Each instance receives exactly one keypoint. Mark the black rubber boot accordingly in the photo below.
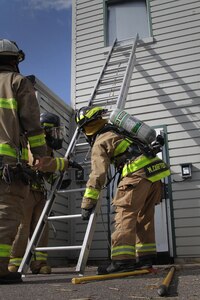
(144, 263)
(11, 278)
(117, 266)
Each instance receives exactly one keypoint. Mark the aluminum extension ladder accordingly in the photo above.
(110, 91)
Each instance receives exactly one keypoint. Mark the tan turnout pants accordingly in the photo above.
(12, 198)
(34, 205)
(134, 203)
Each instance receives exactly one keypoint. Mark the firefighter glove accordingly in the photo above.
(87, 206)
(74, 164)
(85, 213)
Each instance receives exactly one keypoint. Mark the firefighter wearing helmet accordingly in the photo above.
(137, 194)
(54, 134)
(19, 123)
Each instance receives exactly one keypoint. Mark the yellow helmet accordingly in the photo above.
(89, 119)
(87, 114)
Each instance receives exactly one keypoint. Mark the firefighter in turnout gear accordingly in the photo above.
(138, 191)
(35, 203)
(20, 125)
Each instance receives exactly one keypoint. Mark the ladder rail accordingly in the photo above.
(83, 257)
(101, 73)
(127, 77)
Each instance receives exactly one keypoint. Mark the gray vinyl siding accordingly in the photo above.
(52, 103)
(164, 91)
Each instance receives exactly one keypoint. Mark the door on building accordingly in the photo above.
(163, 226)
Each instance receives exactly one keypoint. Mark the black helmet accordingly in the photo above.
(87, 114)
(10, 48)
(53, 130)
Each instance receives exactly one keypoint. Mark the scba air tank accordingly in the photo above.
(133, 126)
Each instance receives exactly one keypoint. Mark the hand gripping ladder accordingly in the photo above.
(109, 91)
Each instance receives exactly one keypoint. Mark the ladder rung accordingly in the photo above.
(58, 248)
(108, 90)
(122, 68)
(70, 191)
(82, 144)
(109, 81)
(105, 102)
(111, 78)
(118, 62)
(64, 217)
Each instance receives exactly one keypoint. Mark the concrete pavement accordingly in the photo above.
(58, 286)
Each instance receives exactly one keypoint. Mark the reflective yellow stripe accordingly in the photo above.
(8, 103)
(146, 248)
(37, 140)
(40, 255)
(141, 162)
(15, 261)
(159, 176)
(47, 124)
(6, 149)
(137, 164)
(5, 250)
(91, 193)
(24, 154)
(123, 250)
(121, 148)
(60, 163)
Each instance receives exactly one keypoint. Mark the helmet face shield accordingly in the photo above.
(54, 131)
(55, 137)
(87, 114)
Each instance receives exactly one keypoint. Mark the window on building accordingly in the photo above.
(125, 19)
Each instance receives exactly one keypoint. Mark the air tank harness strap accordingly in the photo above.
(22, 172)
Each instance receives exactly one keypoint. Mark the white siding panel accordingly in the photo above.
(188, 241)
(186, 143)
(184, 135)
(91, 20)
(167, 101)
(86, 44)
(89, 30)
(185, 159)
(177, 15)
(189, 222)
(88, 8)
(188, 251)
(172, 35)
(86, 3)
(187, 213)
(182, 127)
(188, 203)
(92, 46)
(173, 7)
(87, 36)
(178, 21)
(187, 151)
(181, 43)
(80, 27)
(177, 28)
(192, 231)
(159, 2)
